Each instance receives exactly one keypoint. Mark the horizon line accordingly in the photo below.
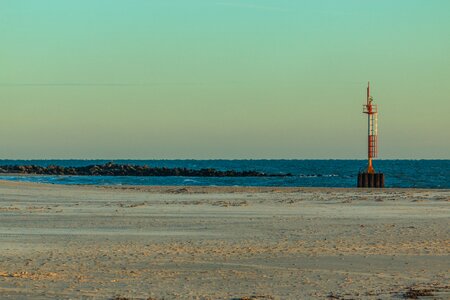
(210, 159)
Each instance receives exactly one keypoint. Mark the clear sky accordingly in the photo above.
(223, 79)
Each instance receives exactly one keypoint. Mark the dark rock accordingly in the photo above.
(111, 169)
(415, 293)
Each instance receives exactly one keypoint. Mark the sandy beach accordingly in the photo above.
(82, 242)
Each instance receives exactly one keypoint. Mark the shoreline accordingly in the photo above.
(213, 189)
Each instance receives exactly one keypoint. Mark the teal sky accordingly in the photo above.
(223, 79)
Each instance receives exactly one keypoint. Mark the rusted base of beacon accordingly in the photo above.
(371, 180)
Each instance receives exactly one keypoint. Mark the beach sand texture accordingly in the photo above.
(79, 242)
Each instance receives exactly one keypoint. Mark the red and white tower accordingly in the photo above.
(372, 116)
(369, 178)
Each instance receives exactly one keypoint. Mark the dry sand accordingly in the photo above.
(78, 242)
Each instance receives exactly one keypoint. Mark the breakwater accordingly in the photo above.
(112, 169)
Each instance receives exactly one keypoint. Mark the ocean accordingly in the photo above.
(307, 173)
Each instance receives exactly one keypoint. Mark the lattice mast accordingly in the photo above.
(372, 112)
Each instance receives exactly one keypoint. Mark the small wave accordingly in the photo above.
(61, 178)
(191, 181)
(317, 175)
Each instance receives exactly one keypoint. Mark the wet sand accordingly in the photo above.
(78, 242)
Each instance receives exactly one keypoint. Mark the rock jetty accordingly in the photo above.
(112, 169)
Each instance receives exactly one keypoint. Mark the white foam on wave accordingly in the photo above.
(191, 180)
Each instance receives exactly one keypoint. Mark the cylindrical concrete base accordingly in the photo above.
(371, 180)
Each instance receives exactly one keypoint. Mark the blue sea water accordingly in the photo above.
(307, 173)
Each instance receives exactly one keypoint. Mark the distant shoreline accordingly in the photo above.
(112, 169)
